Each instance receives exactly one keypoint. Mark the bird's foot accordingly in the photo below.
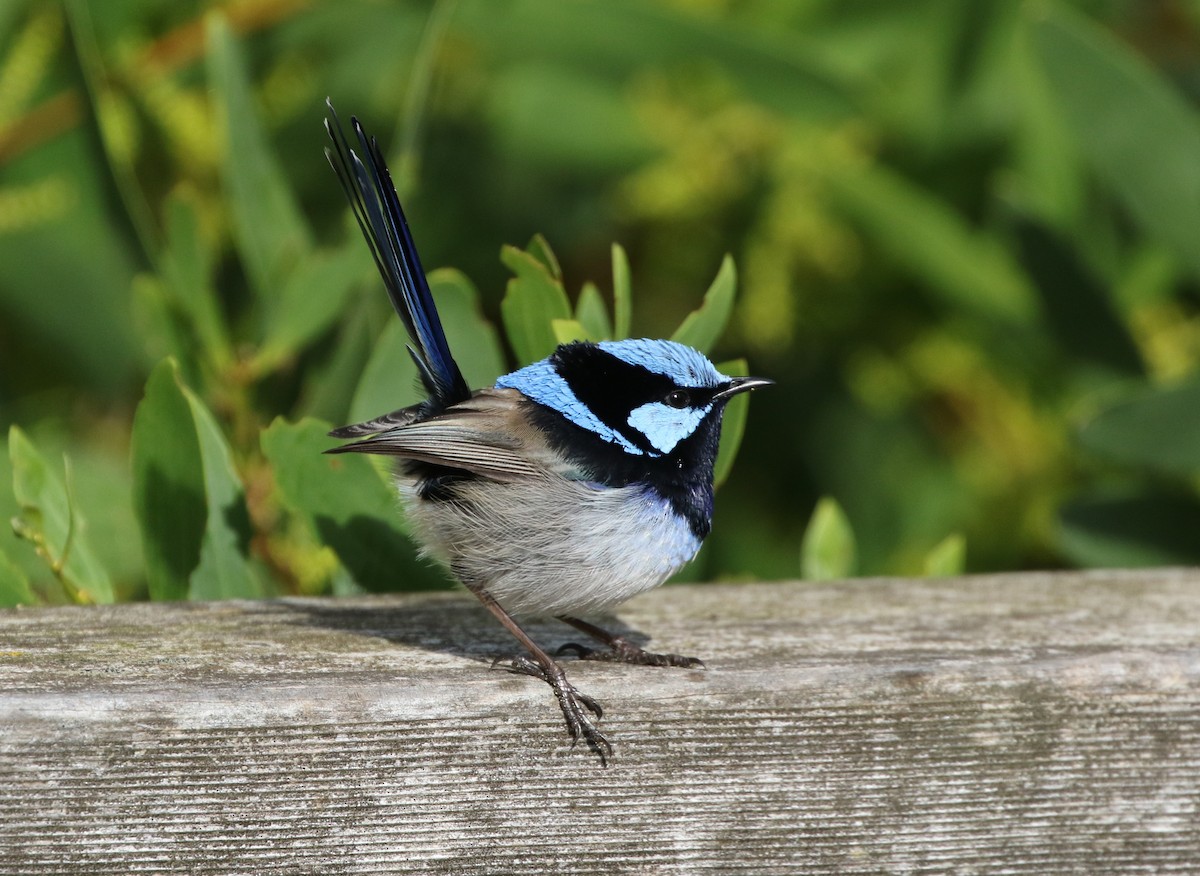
(575, 705)
(621, 651)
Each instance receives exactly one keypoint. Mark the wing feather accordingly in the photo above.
(379, 424)
(484, 435)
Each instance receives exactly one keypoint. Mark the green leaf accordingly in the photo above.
(967, 269)
(733, 425)
(531, 302)
(349, 506)
(568, 330)
(1077, 305)
(389, 381)
(540, 249)
(224, 571)
(112, 113)
(50, 520)
(703, 327)
(1048, 172)
(269, 229)
(187, 267)
(592, 314)
(99, 479)
(168, 484)
(1136, 132)
(1107, 529)
(948, 557)
(1157, 428)
(827, 550)
(473, 340)
(162, 328)
(14, 586)
(188, 497)
(65, 279)
(335, 378)
(622, 293)
(311, 300)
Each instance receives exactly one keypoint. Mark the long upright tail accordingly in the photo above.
(368, 187)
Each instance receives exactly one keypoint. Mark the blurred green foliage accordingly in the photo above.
(965, 238)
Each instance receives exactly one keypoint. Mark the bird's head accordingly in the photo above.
(654, 400)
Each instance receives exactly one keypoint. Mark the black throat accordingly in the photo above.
(684, 477)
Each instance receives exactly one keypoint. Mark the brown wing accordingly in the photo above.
(377, 425)
(485, 435)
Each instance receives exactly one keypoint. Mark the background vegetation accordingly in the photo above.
(967, 239)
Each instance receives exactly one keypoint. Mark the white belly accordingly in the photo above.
(557, 546)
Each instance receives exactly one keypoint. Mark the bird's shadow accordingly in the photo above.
(448, 623)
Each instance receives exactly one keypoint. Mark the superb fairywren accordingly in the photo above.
(570, 485)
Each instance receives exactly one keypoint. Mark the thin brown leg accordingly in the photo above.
(575, 705)
(621, 650)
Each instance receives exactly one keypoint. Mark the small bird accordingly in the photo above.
(569, 486)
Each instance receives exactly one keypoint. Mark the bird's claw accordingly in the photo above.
(575, 705)
(622, 651)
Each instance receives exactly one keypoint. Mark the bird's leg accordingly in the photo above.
(620, 650)
(575, 706)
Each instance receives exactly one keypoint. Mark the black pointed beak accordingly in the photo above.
(741, 384)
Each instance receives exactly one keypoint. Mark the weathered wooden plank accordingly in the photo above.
(1011, 724)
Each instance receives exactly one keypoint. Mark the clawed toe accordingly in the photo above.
(575, 706)
(580, 725)
(684, 662)
(521, 664)
(648, 658)
(621, 651)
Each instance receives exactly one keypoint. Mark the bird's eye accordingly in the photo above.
(677, 398)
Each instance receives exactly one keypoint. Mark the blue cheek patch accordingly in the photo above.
(546, 386)
(665, 426)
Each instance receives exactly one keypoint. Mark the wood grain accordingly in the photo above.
(1035, 723)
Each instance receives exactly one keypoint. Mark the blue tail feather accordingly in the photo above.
(368, 186)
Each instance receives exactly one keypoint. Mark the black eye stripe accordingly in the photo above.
(610, 387)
